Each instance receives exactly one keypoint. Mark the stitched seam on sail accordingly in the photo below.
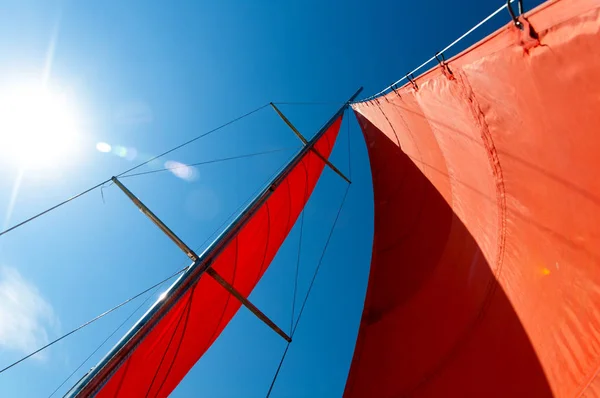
(491, 289)
(185, 324)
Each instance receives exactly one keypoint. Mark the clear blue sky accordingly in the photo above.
(149, 75)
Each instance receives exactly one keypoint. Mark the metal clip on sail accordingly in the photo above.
(411, 78)
(514, 16)
(439, 56)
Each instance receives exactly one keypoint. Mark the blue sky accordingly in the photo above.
(145, 76)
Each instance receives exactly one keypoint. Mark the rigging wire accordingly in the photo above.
(104, 342)
(194, 139)
(131, 169)
(209, 238)
(179, 266)
(297, 270)
(349, 146)
(210, 161)
(102, 315)
(505, 5)
(310, 286)
(299, 250)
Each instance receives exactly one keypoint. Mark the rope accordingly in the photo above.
(94, 319)
(129, 170)
(209, 161)
(441, 52)
(312, 282)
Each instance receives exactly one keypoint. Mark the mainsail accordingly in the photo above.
(484, 278)
(155, 356)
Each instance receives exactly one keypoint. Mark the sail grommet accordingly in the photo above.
(411, 78)
(514, 16)
(393, 87)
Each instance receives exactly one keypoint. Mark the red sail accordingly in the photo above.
(485, 276)
(182, 336)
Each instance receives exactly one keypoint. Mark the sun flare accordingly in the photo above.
(38, 126)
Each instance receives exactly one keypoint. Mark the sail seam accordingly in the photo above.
(390, 123)
(185, 324)
(496, 169)
(169, 345)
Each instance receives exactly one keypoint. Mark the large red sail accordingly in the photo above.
(485, 276)
(159, 362)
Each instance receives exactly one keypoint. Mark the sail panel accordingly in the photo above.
(485, 276)
(156, 365)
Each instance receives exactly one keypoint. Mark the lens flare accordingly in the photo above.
(120, 151)
(181, 170)
(103, 147)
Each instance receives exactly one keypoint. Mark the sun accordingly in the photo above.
(38, 126)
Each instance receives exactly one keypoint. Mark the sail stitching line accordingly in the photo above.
(309, 289)
(185, 311)
(492, 286)
(185, 324)
(289, 204)
(390, 123)
(216, 329)
(262, 265)
(122, 379)
(267, 241)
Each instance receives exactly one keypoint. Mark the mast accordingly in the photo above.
(98, 375)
